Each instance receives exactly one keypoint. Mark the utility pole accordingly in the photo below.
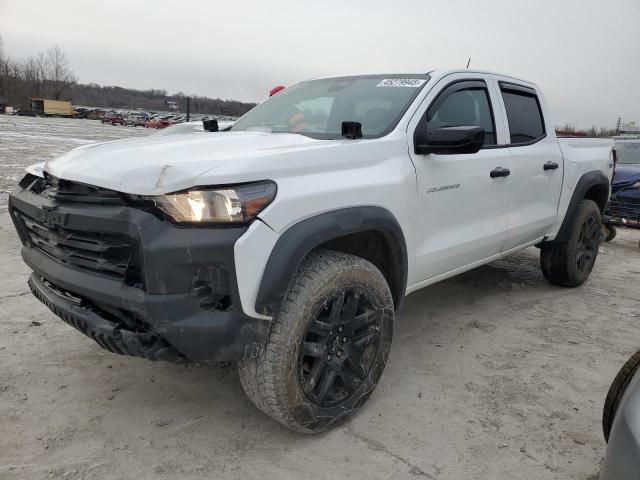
(188, 107)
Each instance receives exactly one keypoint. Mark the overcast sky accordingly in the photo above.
(584, 53)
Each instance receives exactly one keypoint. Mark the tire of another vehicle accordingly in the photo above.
(569, 263)
(616, 392)
(610, 232)
(328, 344)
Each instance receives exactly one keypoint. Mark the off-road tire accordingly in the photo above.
(559, 259)
(273, 380)
(616, 392)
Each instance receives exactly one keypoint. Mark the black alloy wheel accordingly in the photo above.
(588, 243)
(339, 348)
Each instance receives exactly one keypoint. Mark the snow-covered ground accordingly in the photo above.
(28, 140)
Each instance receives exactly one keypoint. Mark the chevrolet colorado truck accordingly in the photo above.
(288, 242)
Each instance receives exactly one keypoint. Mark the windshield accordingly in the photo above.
(317, 108)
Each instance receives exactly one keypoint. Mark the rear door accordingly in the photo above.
(462, 209)
(537, 165)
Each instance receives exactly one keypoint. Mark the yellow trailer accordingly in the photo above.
(57, 108)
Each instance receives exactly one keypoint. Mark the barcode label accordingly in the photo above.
(402, 82)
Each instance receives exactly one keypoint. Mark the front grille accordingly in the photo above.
(66, 191)
(103, 253)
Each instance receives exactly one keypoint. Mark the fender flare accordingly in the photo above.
(301, 238)
(587, 181)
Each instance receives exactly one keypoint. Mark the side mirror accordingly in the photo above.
(449, 140)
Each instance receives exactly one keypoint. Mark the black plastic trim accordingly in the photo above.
(514, 87)
(109, 335)
(300, 239)
(588, 180)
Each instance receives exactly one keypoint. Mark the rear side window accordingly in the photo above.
(523, 113)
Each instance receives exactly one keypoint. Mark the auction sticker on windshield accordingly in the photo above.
(401, 82)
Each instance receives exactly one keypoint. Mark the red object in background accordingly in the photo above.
(566, 133)
(160, 122)
(275, 90)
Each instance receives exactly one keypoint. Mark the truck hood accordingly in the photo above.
(161, 164)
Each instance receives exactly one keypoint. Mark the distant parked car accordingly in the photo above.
(117, 119)
(160, 122)
(136, 120)
(106, 118)
(25, 113)
(621, 424)
(152, 122)
(96, 114)
(81, 112)
(624, 205)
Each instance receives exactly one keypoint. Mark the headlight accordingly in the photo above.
(635, 185)
(226, 205)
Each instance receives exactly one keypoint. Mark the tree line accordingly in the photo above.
(49, 75)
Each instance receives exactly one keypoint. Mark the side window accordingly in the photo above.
(524, 115)
(468, 107)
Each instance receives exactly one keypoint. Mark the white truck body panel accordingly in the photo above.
(581, 155)
(452, 214)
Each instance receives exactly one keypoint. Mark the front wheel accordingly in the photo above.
(570, 263)
(328, 344)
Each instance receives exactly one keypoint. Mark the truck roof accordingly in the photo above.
(439, 73)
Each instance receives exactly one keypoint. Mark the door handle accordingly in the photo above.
(500, 172)
(550, 166)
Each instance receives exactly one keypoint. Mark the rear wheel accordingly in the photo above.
(569, 263)
(328, 344)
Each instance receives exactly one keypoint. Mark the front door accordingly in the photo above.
(462, 216)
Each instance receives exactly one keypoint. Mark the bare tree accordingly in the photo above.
(56, 72)
(4, 72)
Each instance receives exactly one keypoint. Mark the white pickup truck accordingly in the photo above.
(288, 242)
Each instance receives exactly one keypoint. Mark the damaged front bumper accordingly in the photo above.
(134, 283)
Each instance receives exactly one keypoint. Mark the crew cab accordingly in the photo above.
(288, 242)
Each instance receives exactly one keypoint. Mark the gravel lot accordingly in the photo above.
(494, 374)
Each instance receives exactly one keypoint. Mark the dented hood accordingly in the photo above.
(161, 164)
